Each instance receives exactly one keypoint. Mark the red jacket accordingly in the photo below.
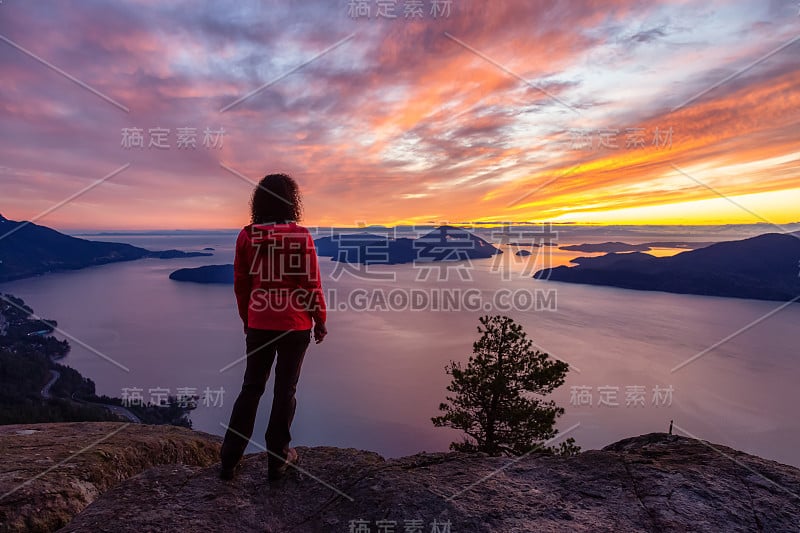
(276, 278)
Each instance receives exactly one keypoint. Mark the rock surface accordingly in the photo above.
(51, 472)
(651, 483)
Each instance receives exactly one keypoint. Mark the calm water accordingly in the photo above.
(379, 376)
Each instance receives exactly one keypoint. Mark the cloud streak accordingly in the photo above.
(399, 123)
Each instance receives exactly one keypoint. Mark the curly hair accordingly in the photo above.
(276, 199)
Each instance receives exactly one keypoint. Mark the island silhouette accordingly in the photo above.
(766, 267)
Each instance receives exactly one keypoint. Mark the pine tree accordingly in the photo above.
(498, 396)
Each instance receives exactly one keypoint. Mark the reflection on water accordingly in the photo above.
(379, 376)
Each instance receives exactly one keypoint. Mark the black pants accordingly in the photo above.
(262, 346)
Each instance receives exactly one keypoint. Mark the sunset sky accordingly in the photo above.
(625, 112)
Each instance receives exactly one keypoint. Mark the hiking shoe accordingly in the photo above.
(278, 471)
(227, 473)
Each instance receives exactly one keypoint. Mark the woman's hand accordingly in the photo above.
(319, 332)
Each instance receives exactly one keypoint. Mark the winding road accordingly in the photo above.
(120, 411)
(116, 409)
(54, 375)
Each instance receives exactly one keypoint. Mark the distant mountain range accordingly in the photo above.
(766, 267)
(28, 249)
(625, 247)
(445, 243)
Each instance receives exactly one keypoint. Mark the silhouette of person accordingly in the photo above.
(279, 297)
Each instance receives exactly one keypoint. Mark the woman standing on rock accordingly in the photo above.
(279, 296)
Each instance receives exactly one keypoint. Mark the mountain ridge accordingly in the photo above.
(445, 243)
(765, 267)
(28, 249)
